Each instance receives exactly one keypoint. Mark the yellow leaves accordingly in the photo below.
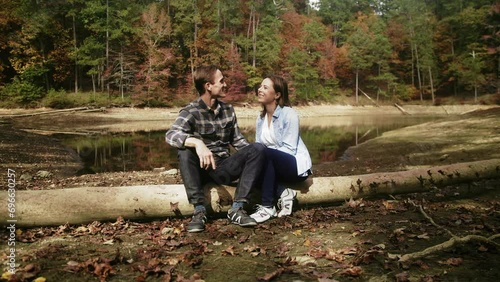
(6, 275)
(307, 242)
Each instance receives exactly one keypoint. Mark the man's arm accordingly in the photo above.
(239, 141)
(180, 136)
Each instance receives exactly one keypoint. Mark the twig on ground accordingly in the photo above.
(455, 240)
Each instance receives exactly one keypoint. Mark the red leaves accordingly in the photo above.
(100, 267)
(321, 244)
(354, 271)
(452, 261)
(270, 276)
(229, 251)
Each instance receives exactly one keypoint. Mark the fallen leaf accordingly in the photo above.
(270, 276)
(422, 264)
(174, 206)
(353, 271)
(316, 253)
(355, 203)
(452, 261)
(423, 236)
(72, 263)
(305, 260)
(402, 277)
(109, 242)
(243, 239)
(81, 229)
(389, 205)
(307, 242)
(229, 251)
(6, 275)
(482, 248)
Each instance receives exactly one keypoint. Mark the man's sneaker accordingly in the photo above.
(263, 213)
(285, 202)
(240, 217)
(197, 223)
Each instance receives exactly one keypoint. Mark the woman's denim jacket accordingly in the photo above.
(286, 129)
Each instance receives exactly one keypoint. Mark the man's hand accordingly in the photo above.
(204, 154)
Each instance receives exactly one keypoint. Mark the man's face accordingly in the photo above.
(218, 88)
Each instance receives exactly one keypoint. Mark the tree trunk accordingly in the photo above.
(75, 46)
(107, 46)
(475, 92)
(432, 86)
(254, 40)
(87, 204)
(418, 74)
(357, 85)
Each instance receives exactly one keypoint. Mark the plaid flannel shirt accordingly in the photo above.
(217, 128)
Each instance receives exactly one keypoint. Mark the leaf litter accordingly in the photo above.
(350, 241)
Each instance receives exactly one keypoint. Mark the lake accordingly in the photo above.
(327, 138)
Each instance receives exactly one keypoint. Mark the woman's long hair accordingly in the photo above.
(280, 85)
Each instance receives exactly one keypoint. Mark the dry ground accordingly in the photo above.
(352, 241)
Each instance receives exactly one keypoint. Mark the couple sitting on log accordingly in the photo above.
(206, 127)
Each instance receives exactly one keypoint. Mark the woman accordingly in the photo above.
(287, 157)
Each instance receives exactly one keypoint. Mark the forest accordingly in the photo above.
(142, 52)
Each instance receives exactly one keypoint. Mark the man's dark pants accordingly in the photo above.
(245, 165)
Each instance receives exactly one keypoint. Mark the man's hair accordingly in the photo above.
(203, 75)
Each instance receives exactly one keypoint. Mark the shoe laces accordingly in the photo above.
(259, 208)
(199, 215)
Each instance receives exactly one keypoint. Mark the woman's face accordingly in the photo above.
(266, 94)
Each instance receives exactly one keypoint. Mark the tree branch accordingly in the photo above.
(455, 240)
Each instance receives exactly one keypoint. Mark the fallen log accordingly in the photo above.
(86, 204)
(71, 110)
(401, 109)
(369, 98)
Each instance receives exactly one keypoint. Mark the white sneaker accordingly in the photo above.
(285, 202)
(263, 213)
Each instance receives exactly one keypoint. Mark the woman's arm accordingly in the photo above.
(289, 121)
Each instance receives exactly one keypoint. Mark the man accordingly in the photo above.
(203, 132)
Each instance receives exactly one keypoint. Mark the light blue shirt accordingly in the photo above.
(286, 131)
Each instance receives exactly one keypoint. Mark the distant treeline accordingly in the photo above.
(144, 51)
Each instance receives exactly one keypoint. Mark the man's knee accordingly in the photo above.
(186, 155)
(258, 148)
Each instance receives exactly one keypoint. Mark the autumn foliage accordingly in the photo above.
(146, 50)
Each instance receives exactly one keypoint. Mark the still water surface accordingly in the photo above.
(327, 138)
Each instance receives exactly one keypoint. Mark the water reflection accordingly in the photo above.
(326, 138)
